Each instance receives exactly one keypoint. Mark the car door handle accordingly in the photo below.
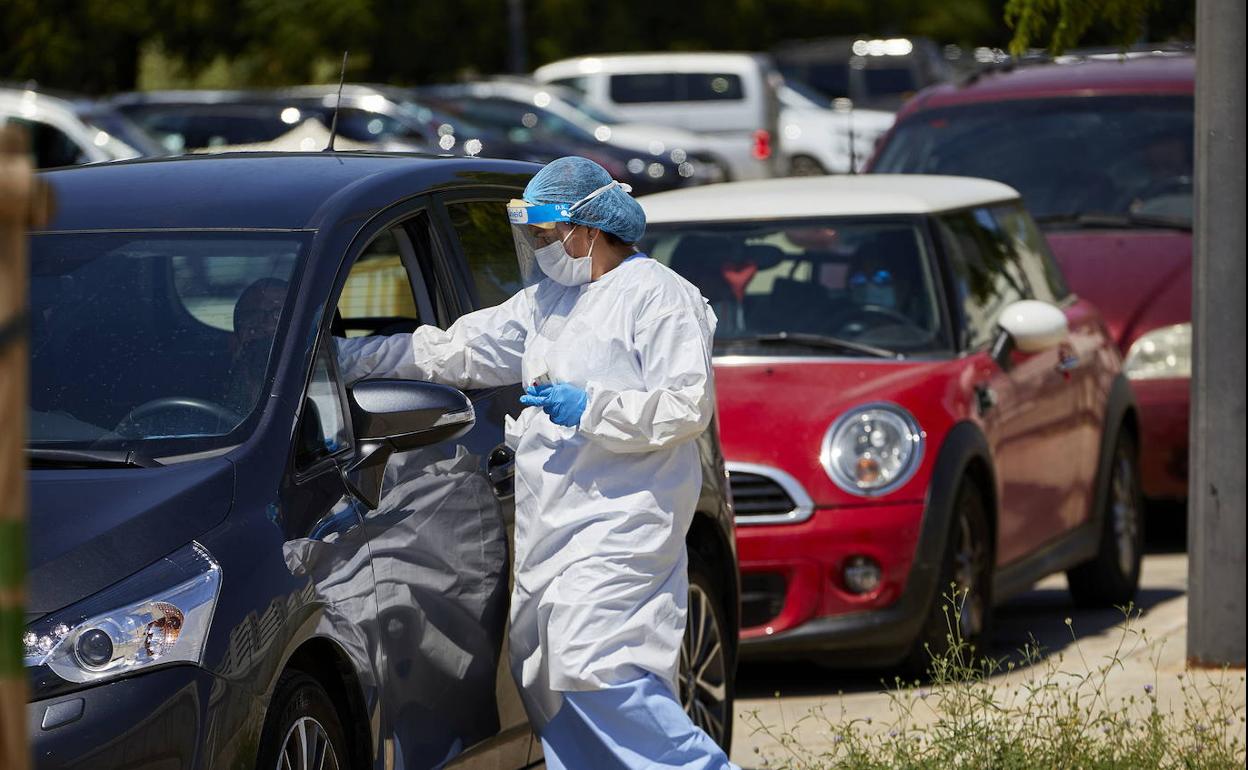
(501, 468)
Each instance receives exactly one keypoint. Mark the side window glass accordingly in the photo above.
(649, 87)
(712, 86)
(1036, 260)
(377, 296)
(485, 239)
(50, 147)
(322, 427)
(986, 272)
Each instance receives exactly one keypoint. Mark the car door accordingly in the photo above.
(1026, 403)
(438, 538)
(1080, 357)
(483, 261)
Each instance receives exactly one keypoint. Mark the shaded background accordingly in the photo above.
(100, 46)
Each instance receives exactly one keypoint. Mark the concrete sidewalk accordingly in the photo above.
(1154, 663)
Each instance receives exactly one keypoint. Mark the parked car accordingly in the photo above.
(204, 119)
(235, 556)
(910, 398)
(875, 73)
(824, 138)
(58, 135)
(728, 98)
(526, 124)
(558, 104)
(1105, 166)
(103, 116)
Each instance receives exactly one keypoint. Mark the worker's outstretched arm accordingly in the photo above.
(481, 349)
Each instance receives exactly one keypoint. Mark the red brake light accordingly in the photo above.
(762, 144)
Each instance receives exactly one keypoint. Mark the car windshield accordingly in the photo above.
(845, 285)
(157, 342)
(1129, 157)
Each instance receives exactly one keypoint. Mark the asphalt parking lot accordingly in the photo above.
(1041, 613)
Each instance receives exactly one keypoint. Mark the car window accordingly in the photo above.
(377, 296)
(50, 147)
(485, 239)
(713, 87)
(1044, 277)
(987, 273)
(863, 280)
(159, 341)
(322, 425)
(644, 87)
(1114, 155)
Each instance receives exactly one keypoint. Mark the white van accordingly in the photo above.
(729, 98)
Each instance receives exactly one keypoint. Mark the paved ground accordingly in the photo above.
(1041, 613)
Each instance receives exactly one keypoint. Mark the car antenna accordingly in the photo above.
(333, 122)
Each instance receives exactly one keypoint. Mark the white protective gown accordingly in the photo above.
(602, 509)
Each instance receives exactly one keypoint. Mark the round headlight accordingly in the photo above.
(873, 449)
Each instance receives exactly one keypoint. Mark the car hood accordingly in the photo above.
(1138, 279)
(90, 528)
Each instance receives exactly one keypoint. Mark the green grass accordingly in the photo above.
(1031, 712)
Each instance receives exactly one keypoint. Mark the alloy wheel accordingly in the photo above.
(1125, 513)
(307, 747)
(968, 568)
(703, 673)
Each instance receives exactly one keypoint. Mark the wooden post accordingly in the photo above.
(24, 202)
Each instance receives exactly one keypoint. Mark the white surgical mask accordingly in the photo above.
(563, 268)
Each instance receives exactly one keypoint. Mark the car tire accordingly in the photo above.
(706, 674)
(966, 566)
(804, 165)
(1110, 578)
(301, 724)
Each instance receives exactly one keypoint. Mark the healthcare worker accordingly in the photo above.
(615, 349)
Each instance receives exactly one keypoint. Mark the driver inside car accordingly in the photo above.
(256, 315)
(883, 287)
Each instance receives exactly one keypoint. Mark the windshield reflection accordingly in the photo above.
(157, 341)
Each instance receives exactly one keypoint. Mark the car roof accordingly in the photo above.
(261, 190)
(795, 197)
(649, 62)
(1163, 72)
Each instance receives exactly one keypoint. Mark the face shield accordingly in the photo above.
(539, 231)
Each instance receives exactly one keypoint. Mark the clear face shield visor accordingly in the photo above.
(535, 225)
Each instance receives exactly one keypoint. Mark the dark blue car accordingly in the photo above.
(237, 559)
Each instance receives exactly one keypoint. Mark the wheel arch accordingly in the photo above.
(1120, 414)
(327, 663)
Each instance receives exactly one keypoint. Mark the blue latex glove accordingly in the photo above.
(565, 403)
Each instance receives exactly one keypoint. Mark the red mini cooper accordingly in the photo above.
(910, 398)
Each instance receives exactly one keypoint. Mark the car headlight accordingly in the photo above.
(1161, 354)
(159, 615)
(873, 449)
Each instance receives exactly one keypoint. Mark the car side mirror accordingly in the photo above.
(1029, 326)
(391, 416)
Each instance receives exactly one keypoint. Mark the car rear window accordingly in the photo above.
(676, 87)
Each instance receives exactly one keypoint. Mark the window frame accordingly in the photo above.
(466, 288)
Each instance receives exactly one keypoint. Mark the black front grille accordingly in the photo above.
(755, 495)
(762, 597)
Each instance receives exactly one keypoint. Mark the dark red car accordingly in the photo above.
(909, 397)
(1101, 149)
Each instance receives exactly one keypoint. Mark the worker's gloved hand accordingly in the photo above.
(565, 403)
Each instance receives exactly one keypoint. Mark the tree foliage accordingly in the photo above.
(1066, 23)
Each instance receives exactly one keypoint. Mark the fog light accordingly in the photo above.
(861, 574)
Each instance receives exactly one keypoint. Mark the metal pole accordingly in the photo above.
(518, 59)
(1216, 607)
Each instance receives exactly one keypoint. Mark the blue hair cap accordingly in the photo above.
(594, 201)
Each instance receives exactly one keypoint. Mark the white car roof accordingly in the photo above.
(858, 195)
(647, 62)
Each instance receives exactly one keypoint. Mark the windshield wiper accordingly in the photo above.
(1129, 221)
(88, 458)
(816, 341)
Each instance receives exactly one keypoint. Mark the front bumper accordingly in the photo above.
(163, 718)
(1164, 407)
(794, 597)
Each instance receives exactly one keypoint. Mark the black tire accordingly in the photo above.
(707, 689)
(299, 707)
(1111, 578)
(965, 571)
(804, 165)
